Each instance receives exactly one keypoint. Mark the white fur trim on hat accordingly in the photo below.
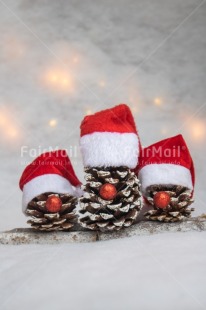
(45, 183)
(167, 174)
(110, 149)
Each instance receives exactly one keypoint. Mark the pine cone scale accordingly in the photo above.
(114, 212)
(41, 219)
(177, 210)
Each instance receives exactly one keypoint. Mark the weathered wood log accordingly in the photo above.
(30, 236)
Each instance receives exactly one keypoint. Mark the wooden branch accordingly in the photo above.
(30, 236)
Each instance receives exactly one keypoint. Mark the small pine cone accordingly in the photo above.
(43, 220)
(98, 213)
(178, 208)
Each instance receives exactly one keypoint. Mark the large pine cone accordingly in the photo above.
(177, 209)
(97, 213)
(43, 220)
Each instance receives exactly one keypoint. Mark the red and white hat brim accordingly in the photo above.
(166, 174)
(110, 149)
(46, 183)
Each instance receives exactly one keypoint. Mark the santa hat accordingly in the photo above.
(109, 138)
(50, 172)
(167, 162)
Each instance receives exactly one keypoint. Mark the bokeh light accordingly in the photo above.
(197, 129)
(158, 101)
(59, 80)
(53, 122)
(8, 126)
(88, 111)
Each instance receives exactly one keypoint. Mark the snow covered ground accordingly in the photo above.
(159, 272)
(60, 60)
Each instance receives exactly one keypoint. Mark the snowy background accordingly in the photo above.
(60, 60)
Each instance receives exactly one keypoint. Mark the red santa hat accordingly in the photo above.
(50, 172)
(109, 138)
(167, 162)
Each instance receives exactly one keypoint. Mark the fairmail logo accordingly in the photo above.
(29, 154)
(35, 152)
(174, 152)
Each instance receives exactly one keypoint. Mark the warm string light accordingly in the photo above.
(59, 80)
(6, 126)
(12, 132)
(88, 112)
(197, 129)
(158, 101)
(53, 123)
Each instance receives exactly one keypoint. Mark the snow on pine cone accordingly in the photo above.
(98, 213)
(178, 207)
(44, 220)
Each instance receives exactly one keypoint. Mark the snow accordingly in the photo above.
(61, 60)
(165, 271)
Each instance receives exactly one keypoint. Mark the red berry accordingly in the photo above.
(53, 204)
(108, 191)
(161, 200)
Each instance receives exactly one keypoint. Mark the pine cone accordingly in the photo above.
(177, 209)
(97, 213)
(42, 219)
